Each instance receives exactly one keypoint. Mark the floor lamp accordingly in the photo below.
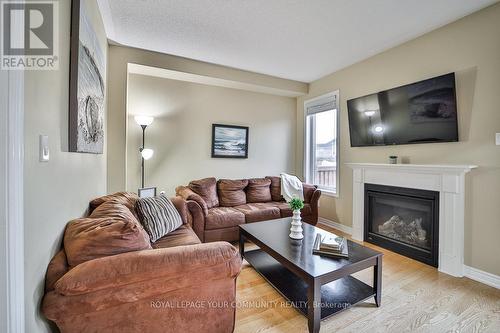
(146, 153)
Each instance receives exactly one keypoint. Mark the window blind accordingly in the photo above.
(321, 104)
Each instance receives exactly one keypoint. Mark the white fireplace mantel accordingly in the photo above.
(448, 180)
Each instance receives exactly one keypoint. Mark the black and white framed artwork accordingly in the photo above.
(87, 84)
(229, 141)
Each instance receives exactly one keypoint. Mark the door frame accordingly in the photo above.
(14, 200)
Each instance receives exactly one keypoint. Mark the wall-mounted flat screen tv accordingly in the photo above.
(421, 112)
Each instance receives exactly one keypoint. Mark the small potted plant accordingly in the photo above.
(296, 229)
(393, 159)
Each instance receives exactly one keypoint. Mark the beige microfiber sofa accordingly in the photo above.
(218, 207)
(108, 277)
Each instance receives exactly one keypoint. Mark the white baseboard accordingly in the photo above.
(482, 276)
(336, 225)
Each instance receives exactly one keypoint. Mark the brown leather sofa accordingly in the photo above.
(109, 278)
(218, 207)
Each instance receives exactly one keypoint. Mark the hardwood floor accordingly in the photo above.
(415, 298)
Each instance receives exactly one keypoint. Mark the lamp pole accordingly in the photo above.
(140, 150)
(146, 154)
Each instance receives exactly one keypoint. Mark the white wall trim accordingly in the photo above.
(15, 200)
(336, 225)
(482, 276)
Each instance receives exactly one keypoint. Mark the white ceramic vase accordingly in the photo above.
(296, 228)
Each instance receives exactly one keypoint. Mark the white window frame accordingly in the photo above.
(309, 142)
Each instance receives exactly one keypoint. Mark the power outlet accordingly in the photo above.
(497, 139)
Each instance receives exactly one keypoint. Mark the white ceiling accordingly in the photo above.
(295, 39)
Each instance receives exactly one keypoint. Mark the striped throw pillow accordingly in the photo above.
(158, 216)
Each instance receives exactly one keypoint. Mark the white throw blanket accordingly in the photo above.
(291, 187)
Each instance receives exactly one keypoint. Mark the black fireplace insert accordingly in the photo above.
(403, 220)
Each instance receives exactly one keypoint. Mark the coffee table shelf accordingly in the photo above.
(317, 286)
(335, 296)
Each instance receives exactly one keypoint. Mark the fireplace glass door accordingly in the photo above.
(403, 220)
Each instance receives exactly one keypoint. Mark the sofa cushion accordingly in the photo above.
(275, 188)
(115, 208)
(158, 216)
(255, 212)
(223, 217)
(91, 238)
(184, 235)
(126, 198)
(286, 211)
(207, 189)
(231, 192)
(259, 190)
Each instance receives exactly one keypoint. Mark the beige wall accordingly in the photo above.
(57, 191)
(471, 48)
(182, 130)
(120, 56)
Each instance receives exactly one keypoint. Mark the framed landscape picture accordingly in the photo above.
(87, 84)
(229, 141)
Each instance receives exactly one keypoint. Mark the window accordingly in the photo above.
(321, 144)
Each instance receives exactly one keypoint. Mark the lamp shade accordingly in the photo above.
(143, 120)
(147, 153)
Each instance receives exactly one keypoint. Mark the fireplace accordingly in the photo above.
(403, 220)
(446, 179)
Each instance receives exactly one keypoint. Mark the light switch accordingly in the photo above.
(497, 139)
(44, 148)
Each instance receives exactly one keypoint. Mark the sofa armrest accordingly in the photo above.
(58, 266)
(308, 191)
(142, 266)
(314, 203)
(187, 194)
(198, 219)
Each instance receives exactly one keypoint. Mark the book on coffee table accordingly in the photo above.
(341, 252)
(332, 242)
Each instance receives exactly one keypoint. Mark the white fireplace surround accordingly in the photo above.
(448, 180)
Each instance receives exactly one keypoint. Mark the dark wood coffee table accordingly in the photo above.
(317, 286)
